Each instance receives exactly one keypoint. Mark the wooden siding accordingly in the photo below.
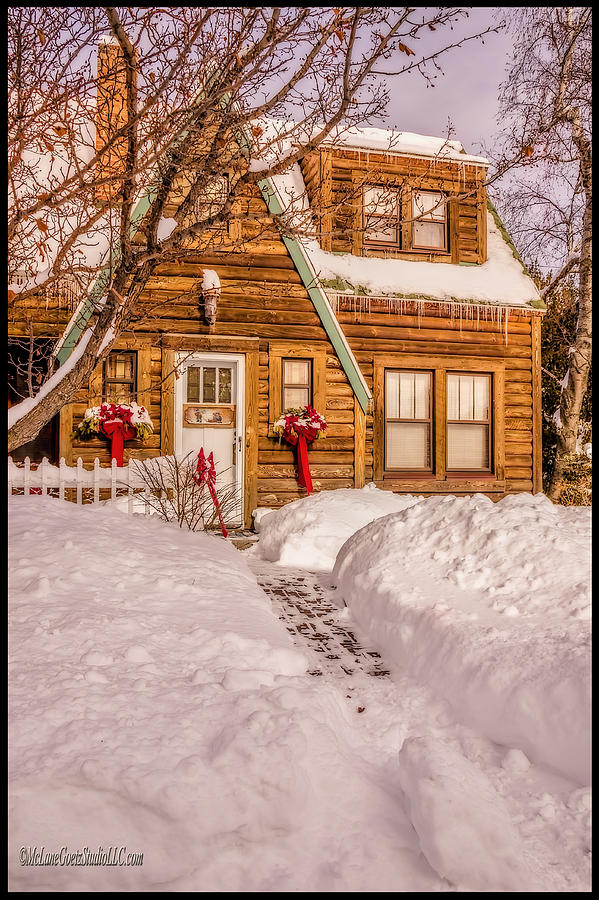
(264, 307)
(433, 340)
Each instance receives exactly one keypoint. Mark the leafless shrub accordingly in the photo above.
(175, 497)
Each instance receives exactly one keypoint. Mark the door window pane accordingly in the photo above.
(209, 391)
(224, 385)
(193, 384)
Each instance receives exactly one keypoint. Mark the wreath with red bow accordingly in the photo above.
(300, 427)
(119, 422)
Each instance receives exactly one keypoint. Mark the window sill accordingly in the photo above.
(429, 484)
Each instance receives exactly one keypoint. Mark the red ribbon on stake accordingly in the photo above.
(205, 474)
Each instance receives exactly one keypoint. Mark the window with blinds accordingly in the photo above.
(468, 422)
(429, 231)
(382, 216)
(296, 383)
(408, 420)
(120, 376)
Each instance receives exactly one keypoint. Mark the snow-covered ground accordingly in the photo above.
(158, 704)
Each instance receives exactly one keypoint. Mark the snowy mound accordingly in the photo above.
(488, 603)
(309, 532)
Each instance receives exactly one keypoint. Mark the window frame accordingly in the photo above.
(440, 480)
(430, 421)
(109, 381)
(285, 384)
(279, 350)
(425, 218)
(488, 422)
(378, 244)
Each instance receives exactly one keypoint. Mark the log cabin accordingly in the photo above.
(397, 306)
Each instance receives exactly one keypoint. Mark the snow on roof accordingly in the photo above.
(500, 280)
(278, 137)
(402, 143)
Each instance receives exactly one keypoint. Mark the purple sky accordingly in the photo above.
(466, 90)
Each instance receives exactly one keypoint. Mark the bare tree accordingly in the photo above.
(179, 98)
(547, 201)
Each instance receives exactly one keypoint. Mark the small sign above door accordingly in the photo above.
(199, 416)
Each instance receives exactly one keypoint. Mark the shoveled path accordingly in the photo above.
(309, 606)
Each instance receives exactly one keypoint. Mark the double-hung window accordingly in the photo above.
(120, 377)
(296, 383)
(382, 216)
(436, 423)
(429, 225)
(468, 422)
(408, 421)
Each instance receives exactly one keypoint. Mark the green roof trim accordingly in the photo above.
(506, 236)
(319, 299)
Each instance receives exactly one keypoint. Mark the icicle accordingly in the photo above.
(507, 317)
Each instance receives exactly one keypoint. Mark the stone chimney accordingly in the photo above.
(111, 116)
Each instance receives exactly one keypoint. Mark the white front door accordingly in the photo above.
(209, 413)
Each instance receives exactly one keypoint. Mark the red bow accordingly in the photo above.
(117, 432)
(205, 473)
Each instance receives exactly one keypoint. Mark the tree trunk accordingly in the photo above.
(578, 369)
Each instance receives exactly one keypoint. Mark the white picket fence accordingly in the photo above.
(78, 484)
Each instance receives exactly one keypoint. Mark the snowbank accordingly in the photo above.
(465, 829)
(489, 605)
(157, 705)
(309, 532)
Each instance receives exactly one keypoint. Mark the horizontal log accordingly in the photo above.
(330, 442)
(317, 471)
(322, 456)
(512, 446)
(281, 484)
(518, 484)
(441, 321)
(519, 357)
(429, 336)
(337, 416)
(340, 403)
(512, 472)
(517, 459)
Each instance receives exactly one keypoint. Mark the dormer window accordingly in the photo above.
(429, 230)
(382, 214)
